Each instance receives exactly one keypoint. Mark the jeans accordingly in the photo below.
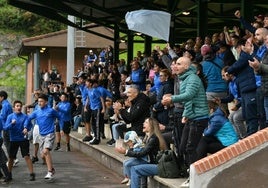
(115, 133)
(118, 130)
(77, 121)
(143, 170)
(249, 109)
(266, 109)
(261, 112)
(236, 118)
(127, 164)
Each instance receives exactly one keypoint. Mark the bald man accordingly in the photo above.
(195, 115)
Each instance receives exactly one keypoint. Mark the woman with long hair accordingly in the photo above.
(153, 142)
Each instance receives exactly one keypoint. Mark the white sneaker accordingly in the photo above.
(16, 162)
(124, 181)
(49, 176)
(128, 183)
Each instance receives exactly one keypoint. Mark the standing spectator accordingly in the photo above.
(236, 115)
(122, 66)
(245, 79)
(5, 111)
(195, 115)
(109, 55)
(137, 75)
(102, 59)
(97, 107)
(64, 110)
(35, 130)
(157, 81)
(45, 117)
(161, 111)
(18, 128)
(86, 112)
(3, 157)
(260, 68)
(216, 87)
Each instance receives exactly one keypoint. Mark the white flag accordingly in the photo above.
(149, 22)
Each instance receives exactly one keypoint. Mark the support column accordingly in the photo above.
(202, 18)
(70, 52)
(116, 43)
(36, 73)
(129, 49)
(246, 9)
(148, 45)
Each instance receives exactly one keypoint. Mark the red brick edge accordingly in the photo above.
(228, 153)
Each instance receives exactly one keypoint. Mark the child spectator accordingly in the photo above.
(219, 133)
(77, 114)
(133, 141)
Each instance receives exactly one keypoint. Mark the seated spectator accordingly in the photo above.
(77, 117)
(219, 133)
(118, 127)
(153, 143)
(133, 142)
(140, 109)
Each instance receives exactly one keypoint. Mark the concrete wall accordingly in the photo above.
(226, 164)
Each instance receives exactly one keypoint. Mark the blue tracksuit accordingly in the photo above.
(16, 129)
(45, 118)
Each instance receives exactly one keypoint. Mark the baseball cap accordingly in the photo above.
(90, 51)
(130, 136)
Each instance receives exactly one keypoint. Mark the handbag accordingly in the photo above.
(167, 164)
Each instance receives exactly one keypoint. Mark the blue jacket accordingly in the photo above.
(94, 96)
(64, 110)
(220, 127)
(83, 90)
(104, 92)
(213, 75)
(157, 84)
(45, 118)
(5, 111)
(16, 129)
(245, 77)
(138, 77)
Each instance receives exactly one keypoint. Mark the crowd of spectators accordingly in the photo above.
(224, 68)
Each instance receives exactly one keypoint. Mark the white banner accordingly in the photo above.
(149, 22)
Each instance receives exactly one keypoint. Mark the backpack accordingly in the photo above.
(167, 164)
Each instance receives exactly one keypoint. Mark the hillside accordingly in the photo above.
(16, 24)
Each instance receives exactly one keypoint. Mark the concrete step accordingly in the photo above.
(107, 156)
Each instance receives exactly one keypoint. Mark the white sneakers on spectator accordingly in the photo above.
(49, 176)
(16, 162)
(124, 181)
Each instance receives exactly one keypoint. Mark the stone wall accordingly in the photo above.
(9, 46)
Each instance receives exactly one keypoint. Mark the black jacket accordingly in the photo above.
(151, 149)
(139, 111)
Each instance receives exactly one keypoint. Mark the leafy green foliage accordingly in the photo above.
(12, 74)
(16, 20)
